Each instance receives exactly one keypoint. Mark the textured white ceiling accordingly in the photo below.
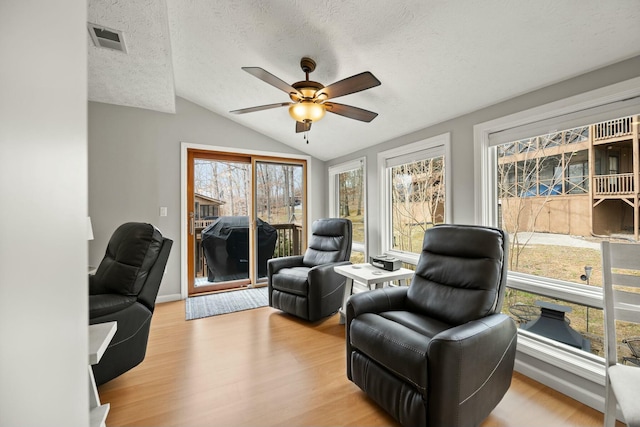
(436, 59)
(143, 77)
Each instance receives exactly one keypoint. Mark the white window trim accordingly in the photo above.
(590, 107)
(444, 141)
(334, 203)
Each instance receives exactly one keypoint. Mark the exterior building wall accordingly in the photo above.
(573, 214)
(612, 216)
(418, 212)
(570, 214)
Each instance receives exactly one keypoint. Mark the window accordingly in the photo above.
(577, 173)
(347, 199)
(415, 194)
(559, 212)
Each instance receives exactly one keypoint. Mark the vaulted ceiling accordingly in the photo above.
(436, 59)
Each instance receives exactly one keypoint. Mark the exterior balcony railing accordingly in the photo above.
(617, 128)
(613, 128)
(612, 185)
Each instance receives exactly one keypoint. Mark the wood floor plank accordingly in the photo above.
(264, 368)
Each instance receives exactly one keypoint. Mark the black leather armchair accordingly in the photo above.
(438, 352)
(306, 285)
(124, 289)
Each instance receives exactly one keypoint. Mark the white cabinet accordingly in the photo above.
(100, 336)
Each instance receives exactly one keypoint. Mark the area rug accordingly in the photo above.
(225, 302)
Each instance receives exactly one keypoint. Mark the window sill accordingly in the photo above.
(562, 356)
(590, 296)
(405, 257)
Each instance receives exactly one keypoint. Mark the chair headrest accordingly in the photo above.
(461, 273)
(131, 252)
(330, 241)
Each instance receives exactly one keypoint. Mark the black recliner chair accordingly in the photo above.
(124, 289)
(438, 352)
(306, 285)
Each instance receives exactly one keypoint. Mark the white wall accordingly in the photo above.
(43, 195)
(461, 129)
(134, 168)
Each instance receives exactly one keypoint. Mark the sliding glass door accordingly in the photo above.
(242, 210)
(280, 201)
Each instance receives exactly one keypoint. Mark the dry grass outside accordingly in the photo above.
(357, 222)
(357, 258)
(410, 237)
(559, 262)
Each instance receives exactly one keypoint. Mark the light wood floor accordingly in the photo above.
(264, 368)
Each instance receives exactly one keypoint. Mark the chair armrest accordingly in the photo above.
(376, 301)
(276, 264)
(107, 304)
(323, 279)
(325, 291)
(471, 367)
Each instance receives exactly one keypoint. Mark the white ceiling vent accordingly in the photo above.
(106, 37)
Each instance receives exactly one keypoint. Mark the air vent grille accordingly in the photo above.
(106, 37)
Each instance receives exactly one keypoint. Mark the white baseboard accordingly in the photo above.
(168, 298)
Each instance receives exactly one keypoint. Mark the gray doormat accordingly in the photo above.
(225, 302)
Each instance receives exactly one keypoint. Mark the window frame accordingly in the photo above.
(433, 144)
(231, 152)
(334, 171)
(617, 100)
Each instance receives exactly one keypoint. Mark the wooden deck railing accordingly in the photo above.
(289, 240)
(613, 128)
(621, 183)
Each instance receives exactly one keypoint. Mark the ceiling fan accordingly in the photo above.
(310, 100)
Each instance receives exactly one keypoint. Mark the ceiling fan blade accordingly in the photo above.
(350, 112)
(261, 107)
(267, 77)
(352, 84)
(303, 127)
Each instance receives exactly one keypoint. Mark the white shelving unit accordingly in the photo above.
(100, 336)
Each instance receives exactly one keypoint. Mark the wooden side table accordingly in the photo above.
(368, 275)
(100, 335)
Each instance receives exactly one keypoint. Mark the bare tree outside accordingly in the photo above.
(351, 206)
(531, 173)
(226, 181)
(418, 197)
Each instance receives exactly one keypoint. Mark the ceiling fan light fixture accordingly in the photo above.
(309, 99)
(307, 111)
